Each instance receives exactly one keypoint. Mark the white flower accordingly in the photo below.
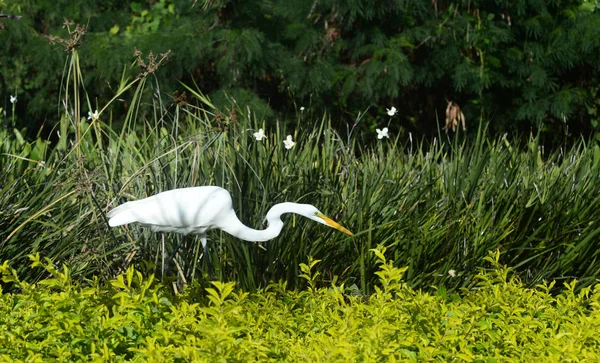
(302, 108)
(93, 116)
(391, 111)
(288, 142)
(260, 134)
(382, 133)
(13, 99)
(452, 273)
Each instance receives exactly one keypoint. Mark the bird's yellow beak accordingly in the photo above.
(331, 223)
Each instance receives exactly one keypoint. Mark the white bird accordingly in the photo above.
(196, 210)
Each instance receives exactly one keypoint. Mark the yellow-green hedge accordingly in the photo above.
(135, 318)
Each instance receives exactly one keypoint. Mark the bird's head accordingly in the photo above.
(306, 210)
(313, 213)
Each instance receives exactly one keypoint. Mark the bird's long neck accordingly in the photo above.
(237, 229)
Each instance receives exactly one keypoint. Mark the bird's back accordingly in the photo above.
(187, 210)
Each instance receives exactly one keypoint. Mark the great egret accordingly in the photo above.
(196, 210)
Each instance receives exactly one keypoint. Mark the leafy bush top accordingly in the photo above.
(134, 318)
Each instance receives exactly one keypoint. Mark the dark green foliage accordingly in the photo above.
(519, 64)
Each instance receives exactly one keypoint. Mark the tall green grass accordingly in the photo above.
(437, 208)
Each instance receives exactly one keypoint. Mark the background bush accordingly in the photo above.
(438, 205)
(520, 65)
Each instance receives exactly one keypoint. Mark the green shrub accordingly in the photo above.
(135, 319)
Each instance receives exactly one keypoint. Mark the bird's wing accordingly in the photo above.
(123, 214)
(180, 210)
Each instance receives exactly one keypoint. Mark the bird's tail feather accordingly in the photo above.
(122, 214)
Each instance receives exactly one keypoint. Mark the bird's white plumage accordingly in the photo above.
(185, 211)
(195, 210)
